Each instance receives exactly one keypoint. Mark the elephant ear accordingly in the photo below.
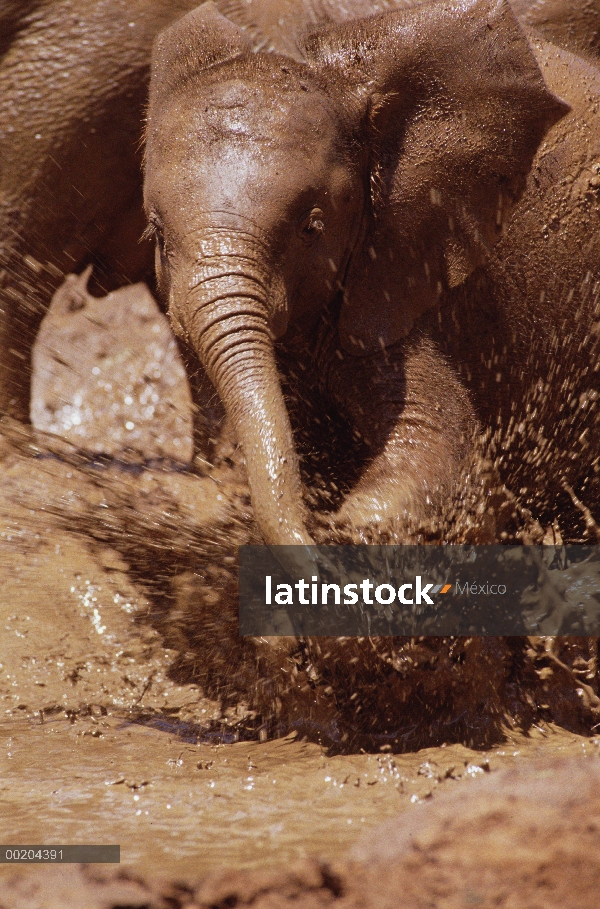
(454, 107)
(200, 39)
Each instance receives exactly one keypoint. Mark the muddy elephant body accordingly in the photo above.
(528, 345)
(73, 85)
(574, 26)
(74, 81)
(428, 228)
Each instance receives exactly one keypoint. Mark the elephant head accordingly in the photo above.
(378, 170)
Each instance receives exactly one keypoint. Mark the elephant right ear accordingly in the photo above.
(451, 107)
(198, 40)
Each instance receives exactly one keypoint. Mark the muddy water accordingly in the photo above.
(107, 736)
(185, 809)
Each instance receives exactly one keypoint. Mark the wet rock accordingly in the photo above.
(309, 885)
(107, 376)
(526, 837)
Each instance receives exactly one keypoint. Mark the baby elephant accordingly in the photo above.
(414, 194)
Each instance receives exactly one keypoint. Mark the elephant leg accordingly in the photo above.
(417, 420)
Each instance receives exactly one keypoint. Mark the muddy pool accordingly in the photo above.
(185, 809)
(130, 712)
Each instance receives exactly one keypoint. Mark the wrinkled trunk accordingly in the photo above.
(227, 322)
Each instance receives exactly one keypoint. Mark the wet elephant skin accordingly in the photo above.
(357, 191)
(74, 81)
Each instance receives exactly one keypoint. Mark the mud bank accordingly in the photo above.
(524, 837)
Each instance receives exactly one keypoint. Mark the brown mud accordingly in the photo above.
(131, 712)
(228, 825)
(108, 734)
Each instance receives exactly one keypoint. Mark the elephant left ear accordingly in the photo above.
(453, 108)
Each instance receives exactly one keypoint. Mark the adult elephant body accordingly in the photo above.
(365, 191)
(73, 84)
(572, 24)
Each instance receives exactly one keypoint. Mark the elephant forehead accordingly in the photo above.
(233, 93)
(235, 111)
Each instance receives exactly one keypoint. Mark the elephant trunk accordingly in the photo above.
(227, 322)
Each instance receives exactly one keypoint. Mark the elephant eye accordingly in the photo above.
(154, 231)
(312, 225)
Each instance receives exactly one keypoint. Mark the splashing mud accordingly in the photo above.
(132, 711)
